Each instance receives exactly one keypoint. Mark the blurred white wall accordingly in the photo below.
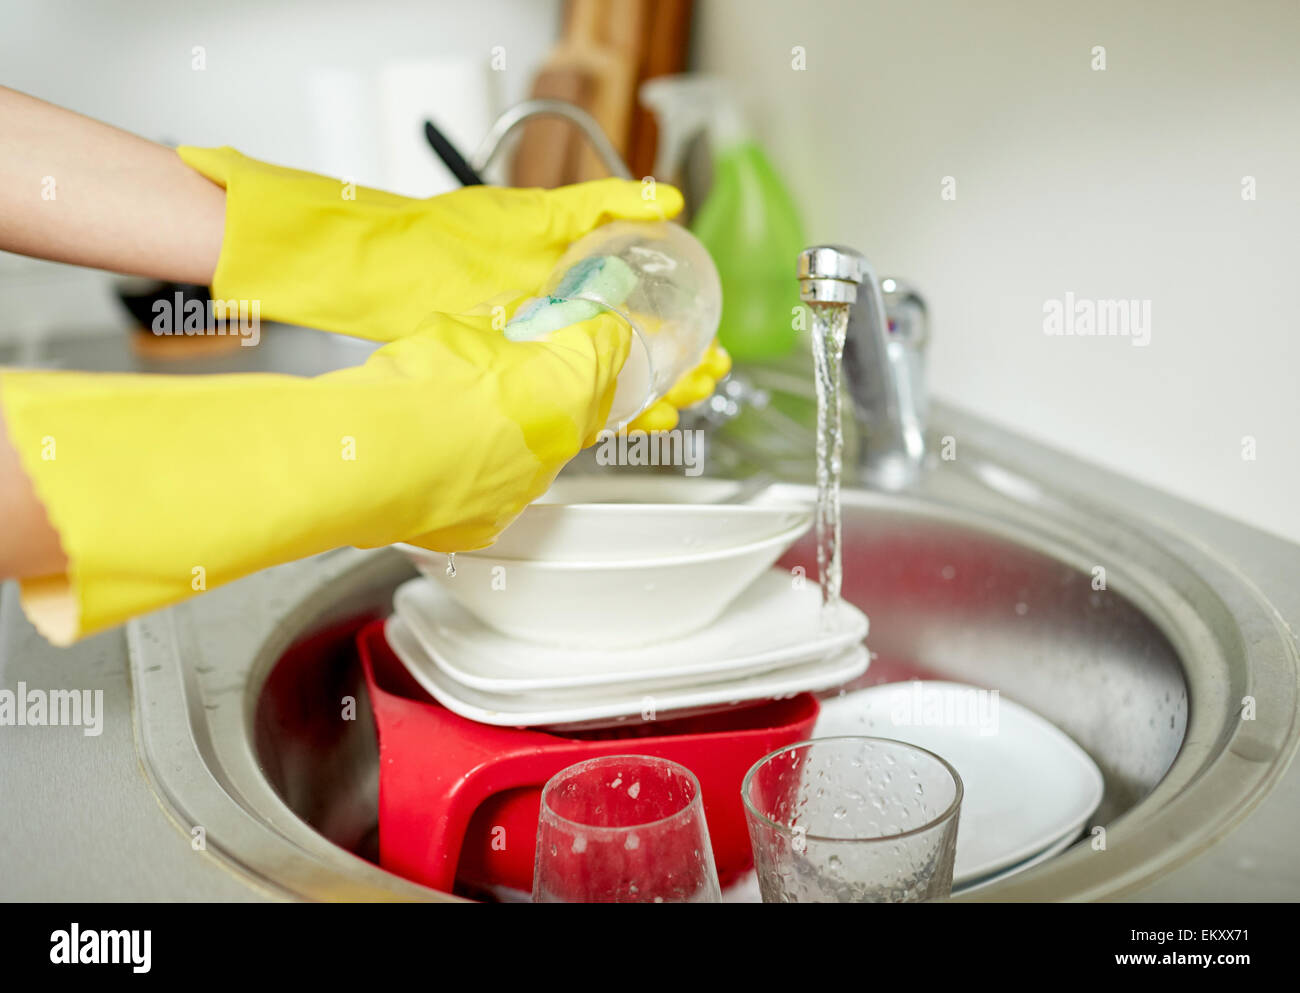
(130, 62)
(1117, 184)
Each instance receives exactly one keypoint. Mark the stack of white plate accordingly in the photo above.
(586, 615)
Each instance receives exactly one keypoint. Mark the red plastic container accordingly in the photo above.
(459, 799)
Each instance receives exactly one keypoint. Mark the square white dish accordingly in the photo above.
(776, 622)
(611, 706)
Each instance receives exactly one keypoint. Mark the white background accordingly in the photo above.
(1117, 184)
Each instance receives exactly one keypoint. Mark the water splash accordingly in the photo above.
(451, 565)
(830, 323)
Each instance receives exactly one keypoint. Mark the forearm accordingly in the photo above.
(75, 190)
(122, 493)
(30, 546)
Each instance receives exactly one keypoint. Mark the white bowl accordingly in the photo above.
(616, 601)
(626, 486)
(632, 532)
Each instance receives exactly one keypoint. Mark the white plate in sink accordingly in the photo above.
(773, 624)
(745, 889)
(1027, 784)
(1050, 852)
(611, 706)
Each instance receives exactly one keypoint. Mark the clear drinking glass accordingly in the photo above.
(853, 820)
(673, 305)
(624, 829)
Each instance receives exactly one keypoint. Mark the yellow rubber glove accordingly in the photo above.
(316, 251)
(162, 486)
(329, 255)
(696, 385)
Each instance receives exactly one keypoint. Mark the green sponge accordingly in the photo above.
(606, 278)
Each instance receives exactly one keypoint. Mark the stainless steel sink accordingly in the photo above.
(984, 573)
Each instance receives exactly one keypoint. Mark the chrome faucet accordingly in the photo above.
(515, 116)
(883, 367)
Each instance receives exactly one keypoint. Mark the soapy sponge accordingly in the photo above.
(606, 278)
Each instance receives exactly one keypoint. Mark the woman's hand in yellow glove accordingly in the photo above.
(161, 486)
(316, 251)
(696, 385)
(532, 406)
(320, 252)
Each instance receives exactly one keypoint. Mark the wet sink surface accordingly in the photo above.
(949, 601)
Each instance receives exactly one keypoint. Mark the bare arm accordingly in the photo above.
(75, 190)
(30, 546)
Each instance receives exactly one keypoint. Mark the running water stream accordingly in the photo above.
(830, 324)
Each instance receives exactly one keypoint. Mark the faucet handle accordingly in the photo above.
(909, 319)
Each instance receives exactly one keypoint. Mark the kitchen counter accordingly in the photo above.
(79, 818)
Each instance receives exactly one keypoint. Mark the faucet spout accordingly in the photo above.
(514, 117)
(880, 369)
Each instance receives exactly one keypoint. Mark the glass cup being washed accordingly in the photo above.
(624, 829)
(657, 277)
(853, 820)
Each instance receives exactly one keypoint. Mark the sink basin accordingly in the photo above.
(1140, 641)
(949, 597)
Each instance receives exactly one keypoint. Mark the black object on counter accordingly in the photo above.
(451, 158)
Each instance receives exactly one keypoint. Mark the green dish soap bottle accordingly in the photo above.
(748, 220)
